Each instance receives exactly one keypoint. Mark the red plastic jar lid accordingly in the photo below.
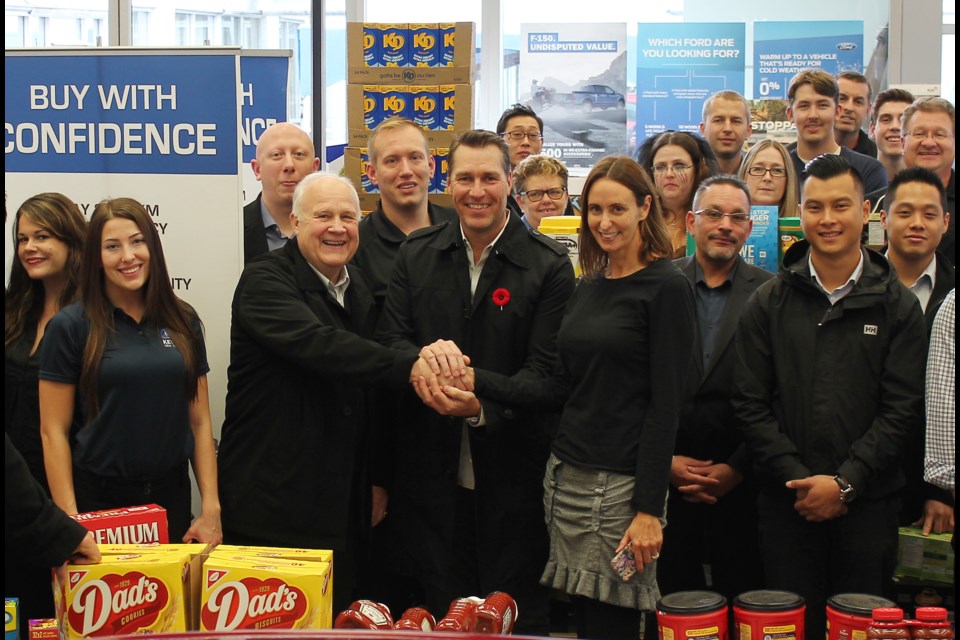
(931, 614)
(888, 614)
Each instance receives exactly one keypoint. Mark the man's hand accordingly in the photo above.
(448, 400)
(937, 517)
(445, 359)
(87, 552)
(818, 498)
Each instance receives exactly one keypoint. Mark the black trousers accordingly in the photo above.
(854, 553)
(723, 536)
(171, 491)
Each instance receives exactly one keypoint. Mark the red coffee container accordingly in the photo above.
(849, 614)
(692, 614)
(768, 614)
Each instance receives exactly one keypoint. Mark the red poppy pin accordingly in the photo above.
(501, 297)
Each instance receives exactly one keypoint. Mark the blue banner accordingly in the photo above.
(679, 66)
(143, 114)
(263, 97)
(781, 49)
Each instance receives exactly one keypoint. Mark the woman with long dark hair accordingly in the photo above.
(130, 357)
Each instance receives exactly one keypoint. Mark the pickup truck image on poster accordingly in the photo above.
(577, 74)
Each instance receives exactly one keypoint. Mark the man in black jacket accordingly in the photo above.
(293, 463)
(829, 386)
(915, 219)
(467, 502)
(285, 155)
(712, 497)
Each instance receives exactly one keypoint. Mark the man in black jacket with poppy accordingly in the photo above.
(467, 500)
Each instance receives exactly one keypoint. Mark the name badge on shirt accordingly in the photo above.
(165, 338)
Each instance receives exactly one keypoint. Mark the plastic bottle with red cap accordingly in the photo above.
(932, 624)
(461, 617)
(888, 624)
(416, 619)
(497, 614)
(364, 614)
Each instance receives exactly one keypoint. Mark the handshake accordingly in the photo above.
(443, 380)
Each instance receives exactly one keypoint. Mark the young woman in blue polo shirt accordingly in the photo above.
(126, 368)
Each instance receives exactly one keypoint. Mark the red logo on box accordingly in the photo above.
(130, 525)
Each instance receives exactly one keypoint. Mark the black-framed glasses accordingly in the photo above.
(536, 195)
(775, 172)
(520, 135)
(716, 216)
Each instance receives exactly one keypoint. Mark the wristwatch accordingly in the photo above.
(474, 421)
(847, 492)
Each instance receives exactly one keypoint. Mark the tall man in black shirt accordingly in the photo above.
(467, 500)
(828, 388)
(712, 503)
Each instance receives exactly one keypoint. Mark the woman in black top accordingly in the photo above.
(624, 347)
(48, 233)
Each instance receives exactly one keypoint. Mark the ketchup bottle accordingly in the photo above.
(364, 614)
(497, 614)
(416, 618)
(461, 616)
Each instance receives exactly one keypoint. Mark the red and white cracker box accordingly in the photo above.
(124, 594)
(198, 554)
(129, 525)
(44, 629)
(265, 593)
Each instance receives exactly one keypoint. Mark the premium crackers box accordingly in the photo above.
(129, 525)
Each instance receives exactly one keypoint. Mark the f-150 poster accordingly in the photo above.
(575, 77)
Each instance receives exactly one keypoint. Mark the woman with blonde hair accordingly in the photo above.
(130, 357)
(768, 171)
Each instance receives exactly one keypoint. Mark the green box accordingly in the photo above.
(925, 557)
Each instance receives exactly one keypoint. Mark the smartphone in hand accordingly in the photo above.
(624, 563)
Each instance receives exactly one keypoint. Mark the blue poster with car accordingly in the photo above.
(679, 66)
(781, 49)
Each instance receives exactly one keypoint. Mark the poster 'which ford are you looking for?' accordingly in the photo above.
(575, 77)
(679, 66)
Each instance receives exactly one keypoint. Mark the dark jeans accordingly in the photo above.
(854, 553)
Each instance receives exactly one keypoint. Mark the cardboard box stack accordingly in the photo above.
(423, 72)
(153, 588)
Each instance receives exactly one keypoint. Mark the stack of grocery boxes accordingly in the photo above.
(423, 72)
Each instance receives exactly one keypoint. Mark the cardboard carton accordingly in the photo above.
(453, 53)
(129, 525)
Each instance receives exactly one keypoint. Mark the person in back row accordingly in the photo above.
(522, 129)
(726, 127)
(854, 111)
(285, 155)
(886, 118)
(540, 183)
(813, 97)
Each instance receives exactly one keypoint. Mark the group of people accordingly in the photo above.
(429, 392)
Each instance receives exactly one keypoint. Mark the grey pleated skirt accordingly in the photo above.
(587, 513)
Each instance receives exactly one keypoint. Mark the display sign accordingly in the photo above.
(781, 49)
(679, 66)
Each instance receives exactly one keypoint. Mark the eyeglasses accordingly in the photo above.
(520, 135)
(940, 135)
(775, 172)
(677, 167)
(536, 195)
(716, 216)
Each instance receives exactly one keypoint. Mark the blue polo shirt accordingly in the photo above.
(143, 428)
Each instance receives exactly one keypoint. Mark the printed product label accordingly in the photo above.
(746, 631)
(707, 633)
(780, 632)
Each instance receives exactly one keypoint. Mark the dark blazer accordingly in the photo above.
(292, 465)
(429, 298)
(707, 423)
(254, 235)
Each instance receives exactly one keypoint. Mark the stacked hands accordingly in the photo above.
(444, 381)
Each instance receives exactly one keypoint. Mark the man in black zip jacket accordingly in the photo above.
(828, 390)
